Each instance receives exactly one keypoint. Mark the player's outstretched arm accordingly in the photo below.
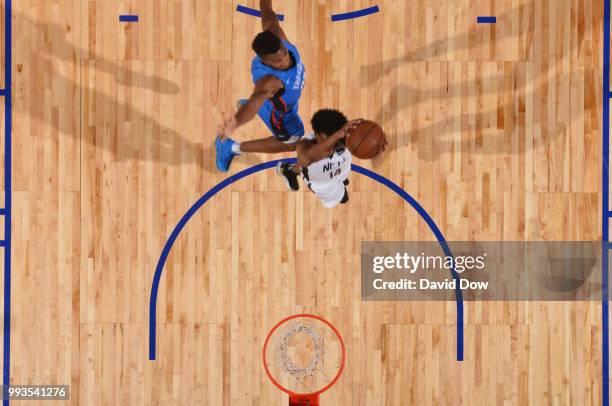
(269, 20)
(265, 88)
(309, 152)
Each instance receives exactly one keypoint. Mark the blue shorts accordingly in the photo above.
(292, 128)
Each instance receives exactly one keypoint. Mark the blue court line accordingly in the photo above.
(266, 165)
(8, 66)
(2, 92)
(605, 344)
(486, 20)
(256, 13)
(128, 18)
(439, 236)
(355, 14)
(2, 212)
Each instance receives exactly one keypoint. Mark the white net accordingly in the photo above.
(298, 372)
(304, 355)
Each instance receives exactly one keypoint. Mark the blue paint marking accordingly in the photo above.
(257, 168)
(439, 236)
(605, 343)
(128, 18)
(8, 66)
(604, 333)
(355, 14)
(486, 20)
(256, 13)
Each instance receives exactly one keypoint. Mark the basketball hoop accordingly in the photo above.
(304, 356)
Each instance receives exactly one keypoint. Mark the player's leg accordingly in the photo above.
(273, 145)
(289, 175)
(294, 125)
(345, 198)
(270, 145)
(229, 148)
(284, 141)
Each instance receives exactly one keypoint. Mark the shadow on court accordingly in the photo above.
(128, 132)
(472, 130)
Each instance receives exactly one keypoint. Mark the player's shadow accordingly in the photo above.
(57, 46)
(474, 131)
(430, 135)
(369, 74)
(141, 137)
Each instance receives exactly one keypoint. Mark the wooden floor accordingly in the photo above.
(494, 129)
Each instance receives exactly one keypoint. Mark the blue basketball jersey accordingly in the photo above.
(285, 104)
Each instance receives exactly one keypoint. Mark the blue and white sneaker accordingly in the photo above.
(224, 153)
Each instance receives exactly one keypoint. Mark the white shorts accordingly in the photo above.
(330, 193)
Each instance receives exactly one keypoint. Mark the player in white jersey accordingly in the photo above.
(325, 161)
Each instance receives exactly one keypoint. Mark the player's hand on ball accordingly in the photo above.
(345, 130)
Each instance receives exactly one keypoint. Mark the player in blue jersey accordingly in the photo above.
(278, 74)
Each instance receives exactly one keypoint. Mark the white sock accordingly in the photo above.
(236, 148)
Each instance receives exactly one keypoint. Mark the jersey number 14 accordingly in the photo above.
(335, 173)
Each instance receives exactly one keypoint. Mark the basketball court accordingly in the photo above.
(140, 275)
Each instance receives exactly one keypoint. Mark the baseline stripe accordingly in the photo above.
(486, 20)
(605, 343)
(8, 69)
(355, 14)
(128, 18)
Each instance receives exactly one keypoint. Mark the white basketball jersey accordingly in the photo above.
(334, 168)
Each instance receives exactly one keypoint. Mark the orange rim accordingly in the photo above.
(329, 385)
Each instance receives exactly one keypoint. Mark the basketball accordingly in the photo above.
(366, 140)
